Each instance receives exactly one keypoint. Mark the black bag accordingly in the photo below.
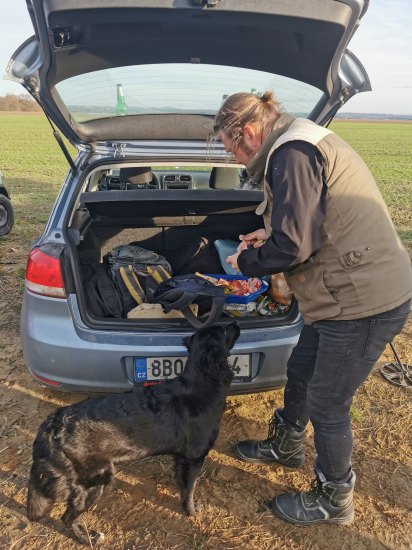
(136, 273)
(196, 256)
(180, 291)
(101, 294)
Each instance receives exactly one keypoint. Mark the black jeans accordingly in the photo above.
(330, 361)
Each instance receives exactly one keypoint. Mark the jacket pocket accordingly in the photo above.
(355, 258)
(314, 298)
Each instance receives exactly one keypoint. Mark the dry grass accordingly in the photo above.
(141, 511)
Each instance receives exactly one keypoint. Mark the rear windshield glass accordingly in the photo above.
(176, 88)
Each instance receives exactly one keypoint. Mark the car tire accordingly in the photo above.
(6, 215)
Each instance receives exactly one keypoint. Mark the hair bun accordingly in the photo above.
(267, 96)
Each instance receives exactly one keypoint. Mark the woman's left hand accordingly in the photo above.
(232, 260)
(242, 246)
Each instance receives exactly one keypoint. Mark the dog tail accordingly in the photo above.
(38, 505)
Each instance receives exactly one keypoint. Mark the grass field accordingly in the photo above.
(35, 167)
(386, 148)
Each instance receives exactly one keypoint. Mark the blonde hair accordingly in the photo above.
(245, 108)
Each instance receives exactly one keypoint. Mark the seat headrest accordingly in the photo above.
(138, 174)
(224, 177)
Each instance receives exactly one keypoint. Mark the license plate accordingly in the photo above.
(151, 369)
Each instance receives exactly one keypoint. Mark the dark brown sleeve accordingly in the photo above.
(295, 174)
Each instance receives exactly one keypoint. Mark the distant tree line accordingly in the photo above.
(22, 102)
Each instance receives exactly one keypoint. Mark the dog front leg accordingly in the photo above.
(187, 471)
(79, 503)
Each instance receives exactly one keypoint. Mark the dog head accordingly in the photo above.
(209, 348)
(214, 336)
(232, 333)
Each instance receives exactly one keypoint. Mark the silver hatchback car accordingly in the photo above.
(136, 86)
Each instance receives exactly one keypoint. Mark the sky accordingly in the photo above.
(382, 43)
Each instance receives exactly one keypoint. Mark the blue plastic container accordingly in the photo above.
(232, 298)
(226, 248)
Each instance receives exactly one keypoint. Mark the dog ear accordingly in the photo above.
(232, 334)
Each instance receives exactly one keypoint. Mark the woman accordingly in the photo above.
(328, 229)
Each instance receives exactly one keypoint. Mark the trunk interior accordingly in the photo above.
(171, 223)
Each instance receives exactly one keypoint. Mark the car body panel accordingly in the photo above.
(109, 355)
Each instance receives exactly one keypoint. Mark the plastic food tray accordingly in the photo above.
(232, 298)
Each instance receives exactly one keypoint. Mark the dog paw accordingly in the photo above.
(192, 509)
(89, 538)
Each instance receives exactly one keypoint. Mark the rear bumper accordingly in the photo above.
(57, 346)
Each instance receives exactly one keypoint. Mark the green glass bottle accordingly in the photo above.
(121, 107)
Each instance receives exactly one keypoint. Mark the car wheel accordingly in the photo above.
(6, 215)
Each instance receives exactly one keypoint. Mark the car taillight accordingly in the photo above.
(44, 275)
(47, 380)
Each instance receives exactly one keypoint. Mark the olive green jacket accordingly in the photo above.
(362, 268)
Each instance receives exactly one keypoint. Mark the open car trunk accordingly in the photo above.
(170, 223)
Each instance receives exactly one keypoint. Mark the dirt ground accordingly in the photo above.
(141, 510)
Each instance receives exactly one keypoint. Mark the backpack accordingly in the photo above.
(136, 272)
(181, 291)
(101, 295)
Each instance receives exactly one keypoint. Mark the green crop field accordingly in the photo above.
(35, 167)
(387, 150)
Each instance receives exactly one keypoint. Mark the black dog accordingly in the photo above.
(77, 447)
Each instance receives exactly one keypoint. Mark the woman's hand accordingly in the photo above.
(242, 246)
(255, 238)
(232, 260)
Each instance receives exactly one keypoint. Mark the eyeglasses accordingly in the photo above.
(231, 144)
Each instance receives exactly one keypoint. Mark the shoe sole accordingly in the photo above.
(340, 521)
(288, 464)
